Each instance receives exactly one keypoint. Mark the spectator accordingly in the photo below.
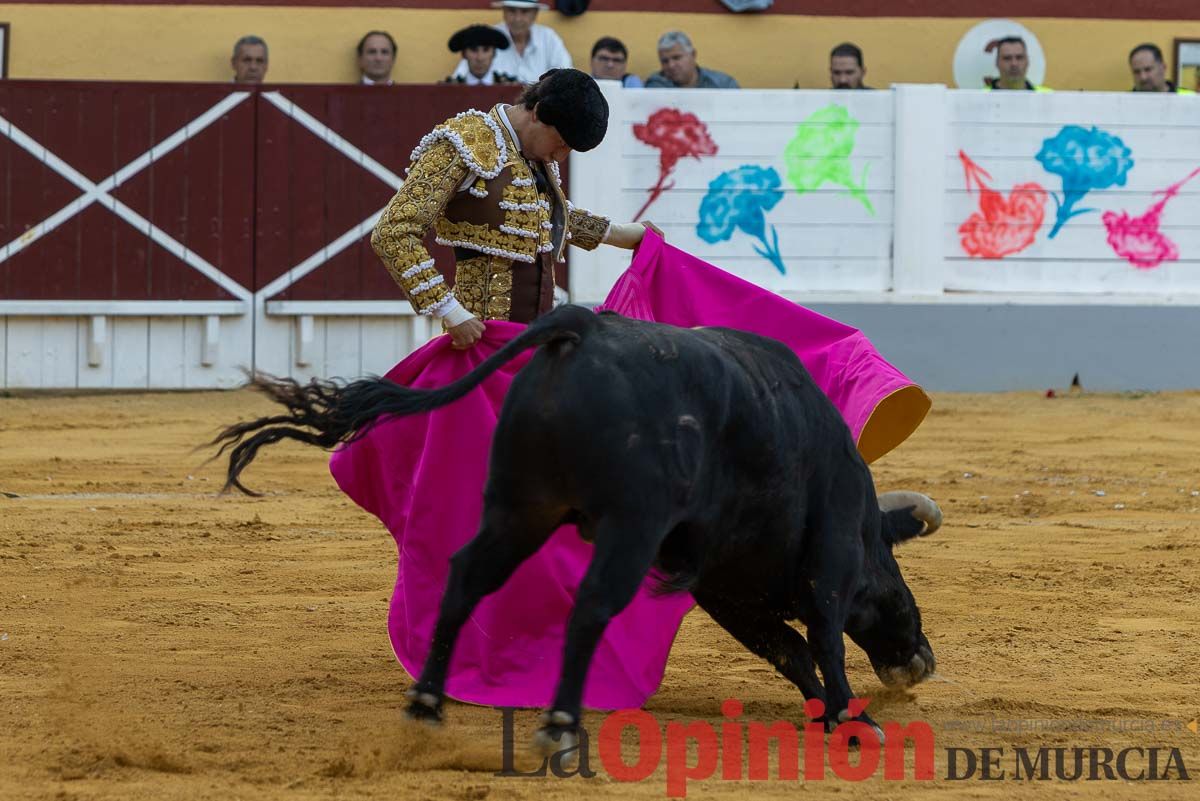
(376, 57)
(1012, 59)
(1150, 71)
(478, 45)
(249, 60)
(609, 58)
(680, 70)
(535, 49)
(846, 70)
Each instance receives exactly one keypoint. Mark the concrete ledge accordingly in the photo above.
(994, 347)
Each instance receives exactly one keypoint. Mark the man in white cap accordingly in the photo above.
(535, 48)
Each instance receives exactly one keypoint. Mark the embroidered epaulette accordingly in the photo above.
(476, 137)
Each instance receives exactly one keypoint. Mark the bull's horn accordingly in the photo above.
(924, 509)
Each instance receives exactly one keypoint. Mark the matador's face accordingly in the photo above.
(543, 142)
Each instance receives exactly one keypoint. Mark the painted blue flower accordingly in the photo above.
(740, 199)
(1086, 160)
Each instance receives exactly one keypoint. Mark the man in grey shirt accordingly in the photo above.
(680, 70)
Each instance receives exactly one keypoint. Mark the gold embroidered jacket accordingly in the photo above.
(508, 228)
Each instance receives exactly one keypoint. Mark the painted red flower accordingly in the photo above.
(1137, 239)
(1002, 226)
(677, 135)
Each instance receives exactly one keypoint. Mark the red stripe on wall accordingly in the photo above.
(1162, 9)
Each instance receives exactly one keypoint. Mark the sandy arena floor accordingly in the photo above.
(159, 642)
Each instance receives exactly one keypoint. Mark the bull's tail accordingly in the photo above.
(325, 413)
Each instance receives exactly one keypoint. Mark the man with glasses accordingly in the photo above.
(609, 59)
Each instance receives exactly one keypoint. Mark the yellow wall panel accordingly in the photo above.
(192, 43)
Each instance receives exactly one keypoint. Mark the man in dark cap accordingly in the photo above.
(477, 44)
(488, 185)
(535, 48)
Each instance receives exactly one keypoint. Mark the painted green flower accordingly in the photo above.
(820, 151)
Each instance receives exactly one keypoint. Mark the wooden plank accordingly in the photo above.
(1181, 212)
(60, 352)
(1124, 109)
(379, 125)
(984, 142)
(234, 351)
(742, 141)
(1088, 277)
(343, 347)
(641, 171)
(823, 207)
(9, 189)
(94, 376)
(130, 352)
(134, 121)
(24, 346)
(751, 108)
(166, 353)
(308, 158)
(58, 262)
(235, 183)
(384, 343)
(316, 353)
(170, 184)
(202, 163)
(273, 222)
(342, 186)
(95, 156)
(127, 308)
(800, 241)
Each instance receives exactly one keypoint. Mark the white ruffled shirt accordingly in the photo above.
(545, 51)
(463, 70)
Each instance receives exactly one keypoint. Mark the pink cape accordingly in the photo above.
(423, 477)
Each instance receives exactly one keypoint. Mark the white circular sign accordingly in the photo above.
(973, 61)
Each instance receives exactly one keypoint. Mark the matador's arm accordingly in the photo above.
(585, 229)
(432, 181)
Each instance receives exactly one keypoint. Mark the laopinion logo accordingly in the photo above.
(632, 745)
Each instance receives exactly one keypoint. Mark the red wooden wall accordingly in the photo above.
(309, 193)
(253, 194)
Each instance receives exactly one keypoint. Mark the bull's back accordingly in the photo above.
(697, 412)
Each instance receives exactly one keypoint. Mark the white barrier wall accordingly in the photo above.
(124, 344)
(918, 193)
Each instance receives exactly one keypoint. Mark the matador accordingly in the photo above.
(488, 184)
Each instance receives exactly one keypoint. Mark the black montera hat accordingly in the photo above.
(571, 8)
(477, 36)
(571, 101)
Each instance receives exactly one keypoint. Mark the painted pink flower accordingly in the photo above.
(677, 135)
(1137, 239)
(1002, 226)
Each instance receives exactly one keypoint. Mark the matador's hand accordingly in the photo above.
(466, 334)
(629, 235)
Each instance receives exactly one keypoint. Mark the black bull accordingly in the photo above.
(708, 456)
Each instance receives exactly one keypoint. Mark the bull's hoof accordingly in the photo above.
(920, 667)
(559, 732)
(423, 706)
(852, 741)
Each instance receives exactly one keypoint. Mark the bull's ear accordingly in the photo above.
(907, 515)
